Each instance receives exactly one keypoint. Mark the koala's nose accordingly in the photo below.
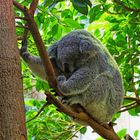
(66, 67)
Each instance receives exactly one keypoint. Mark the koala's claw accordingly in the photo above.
(64, 100)
(67, 101)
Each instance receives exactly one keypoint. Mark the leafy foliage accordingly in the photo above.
(116, 23)
(50, 124)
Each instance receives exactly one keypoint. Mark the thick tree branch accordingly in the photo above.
(41, 48)
(107, 133)
(18, 5)
(39, 43)
(33, 6)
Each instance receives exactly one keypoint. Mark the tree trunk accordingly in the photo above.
(12, 112)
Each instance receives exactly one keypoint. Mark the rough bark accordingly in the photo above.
(12, 112)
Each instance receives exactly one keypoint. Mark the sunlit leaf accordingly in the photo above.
(136, 133)
(72, 23)
(83, 130)
(122, 133)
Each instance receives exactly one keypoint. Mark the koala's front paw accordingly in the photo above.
(61, 79)
(61, 83)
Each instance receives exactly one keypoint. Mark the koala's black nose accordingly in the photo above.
(66, 68)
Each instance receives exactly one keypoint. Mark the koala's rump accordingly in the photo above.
(99, 112)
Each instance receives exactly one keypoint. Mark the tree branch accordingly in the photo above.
(22, 18)
(25, 27)
(39, 43)
(18, 5)
(38, 113)
(129, 104)
(107, 133)
(133, 99)
(33, 6)
(128, 108)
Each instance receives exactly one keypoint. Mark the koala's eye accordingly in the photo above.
(85, 44)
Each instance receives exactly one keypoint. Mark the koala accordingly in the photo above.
(87, 74)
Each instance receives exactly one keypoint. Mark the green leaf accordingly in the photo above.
(40, 17)
(115, 27)
(66, 14)
(83, 130)
(116, 116)
(72, 23)
(122, 133)
(80, 6)
(133, 112)
(136, 133)
(138, 109)
(97, 32)
(112, 19)
(137, 2)
(54, 29)
(88, 2)
(100, 138)
(95, 13)
(47, 2)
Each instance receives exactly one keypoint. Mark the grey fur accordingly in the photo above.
(88, 75)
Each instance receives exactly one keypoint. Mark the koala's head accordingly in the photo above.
(74, 49)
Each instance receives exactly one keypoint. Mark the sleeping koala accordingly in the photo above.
(86, 74)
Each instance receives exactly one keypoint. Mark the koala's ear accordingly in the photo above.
(52, 51)
(86, 47)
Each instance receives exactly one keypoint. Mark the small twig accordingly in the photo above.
(16, 17)
(25, 27)
(133, 99)
(38, 113)
(129, 108)
(18, 5)
(64, 132)
(128, 137)
(73, 135)
(129, 104)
